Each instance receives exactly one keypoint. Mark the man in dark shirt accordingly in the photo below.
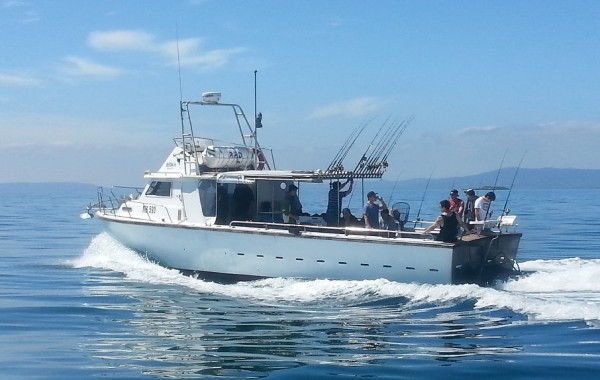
(292, 206)
(334, 201)
(371, 210)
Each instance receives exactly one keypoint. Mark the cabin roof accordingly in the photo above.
(272, 175)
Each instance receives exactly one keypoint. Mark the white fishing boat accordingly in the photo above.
(215, 209)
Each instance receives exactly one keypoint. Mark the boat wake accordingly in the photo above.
(553, 290)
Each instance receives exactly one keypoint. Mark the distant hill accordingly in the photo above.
(546, 178)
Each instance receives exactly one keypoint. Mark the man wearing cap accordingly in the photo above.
(469, 212)
(482, 206)
(291, 205)
(456, 204)
(371, 210)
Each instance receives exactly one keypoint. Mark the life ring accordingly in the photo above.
(261, 159)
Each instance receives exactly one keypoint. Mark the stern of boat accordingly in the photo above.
(482, 259)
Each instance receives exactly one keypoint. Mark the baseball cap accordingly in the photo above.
(470, 192)
(371, 194)
(454, 191)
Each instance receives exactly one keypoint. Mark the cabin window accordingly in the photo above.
(159, 189)
(208, 196)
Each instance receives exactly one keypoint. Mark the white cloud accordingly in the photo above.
(18, 80)
(122, 40)
(481, 129)
(190, 49)
(12, 3)
(354, 107)
(211, 59)
(539, 132)
(82, 67)
(21, 13)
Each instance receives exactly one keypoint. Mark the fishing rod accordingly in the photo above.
(368, 162)
(392, 132)
(453, 181)
(397, 132)
(386, 140)
(495, 184)
(505, 210)
(394, 188)
(337, 159)
(499, 169)
(422, 199)
(401, 129)
(360, 129)
(364, 158)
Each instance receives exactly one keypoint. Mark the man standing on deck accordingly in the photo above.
(371, 210)
(469, 211)
(482, 206)
(291, 205)
(334, 201)
(456, 204)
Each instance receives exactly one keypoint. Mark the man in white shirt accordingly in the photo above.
(482, 206)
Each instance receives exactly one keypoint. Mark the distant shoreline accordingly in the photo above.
(492, 188)
(546, 178)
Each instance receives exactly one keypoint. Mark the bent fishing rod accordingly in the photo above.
(487, 212)
(505, 210)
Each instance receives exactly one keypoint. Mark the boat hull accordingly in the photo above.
(232, 253)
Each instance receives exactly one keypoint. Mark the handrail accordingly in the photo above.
(116, 201)
(155, 205)
(357, 231)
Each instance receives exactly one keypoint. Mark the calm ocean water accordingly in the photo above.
(74, 304)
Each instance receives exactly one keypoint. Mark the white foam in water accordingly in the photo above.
(557, 290)
(567, 275)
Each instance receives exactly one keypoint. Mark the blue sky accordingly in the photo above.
(89, 90)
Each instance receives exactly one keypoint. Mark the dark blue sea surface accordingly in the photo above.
(75, 304)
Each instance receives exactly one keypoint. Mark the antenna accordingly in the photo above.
(255, 71)
(180, 84)
(179, 64)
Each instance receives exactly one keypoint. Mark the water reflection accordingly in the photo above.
(170, 331)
